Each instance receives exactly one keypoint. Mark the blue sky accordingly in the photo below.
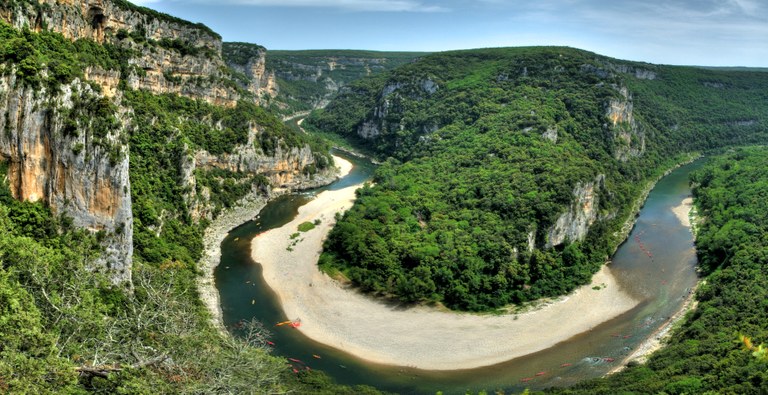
(701, 32)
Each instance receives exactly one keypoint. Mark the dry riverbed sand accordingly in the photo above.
(421, 337)
(682, 212)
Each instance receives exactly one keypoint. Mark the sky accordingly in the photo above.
(683, 32)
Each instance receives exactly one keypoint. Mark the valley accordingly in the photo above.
(475, 250)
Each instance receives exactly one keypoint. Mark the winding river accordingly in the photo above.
(662, 279)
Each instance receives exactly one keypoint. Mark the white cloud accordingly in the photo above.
(348, 5)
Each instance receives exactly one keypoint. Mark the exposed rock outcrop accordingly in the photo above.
(550, 134)
(170, 55)
(73, 173)
(628, 137)
(574, 224)
(378, 122)
(253, 64)
(285, 169)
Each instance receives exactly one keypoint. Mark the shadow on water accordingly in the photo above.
(656, 264)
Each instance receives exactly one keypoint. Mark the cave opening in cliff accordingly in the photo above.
(39, 22)
(96, 14)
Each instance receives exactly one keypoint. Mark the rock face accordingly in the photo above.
(75, 176)
(283, 169)
(550, 134)
(69, 147)
(170, 55)
(387, 109)
(628, 137)
(298, 81)
(251, 60)
(574, 224)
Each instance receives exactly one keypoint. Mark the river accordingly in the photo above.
(656, 264)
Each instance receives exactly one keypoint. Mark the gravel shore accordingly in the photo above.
(217, 231)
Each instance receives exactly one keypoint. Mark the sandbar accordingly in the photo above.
(421, 337)
(683, 211)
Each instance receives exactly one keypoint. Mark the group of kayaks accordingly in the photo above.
(295, 364)
(292, 323)
(542, 373)
(565, 365)
(298, 365)
(642, 247)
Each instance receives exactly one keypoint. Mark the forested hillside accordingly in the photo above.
(704, 354)
(511, 172)
(309, 79)
(296, 81)
(96, 147)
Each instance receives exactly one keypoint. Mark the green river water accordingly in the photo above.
(662, 281)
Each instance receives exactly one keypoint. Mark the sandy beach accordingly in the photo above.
(419, 337)
(682, 212)
(246, 209)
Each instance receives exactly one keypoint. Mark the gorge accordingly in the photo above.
(508, 176)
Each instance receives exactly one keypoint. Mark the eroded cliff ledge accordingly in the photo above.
(169, 55)
(80, 169)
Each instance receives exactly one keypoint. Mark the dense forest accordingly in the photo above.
(65, 327)
(486, 150)
(483, 151)
(309, 79)
(705, 353)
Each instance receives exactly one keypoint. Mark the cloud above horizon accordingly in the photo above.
(706, 32)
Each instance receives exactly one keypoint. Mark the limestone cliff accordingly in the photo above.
(628, 136)
(284, 169)
(574, 224)
(386, 117)
(169, 55)
(69, 166)
(80, 140)
(251, 61)
(298, 81)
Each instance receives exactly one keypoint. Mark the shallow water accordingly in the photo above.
(656, 263)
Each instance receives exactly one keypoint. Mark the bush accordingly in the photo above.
(306, 226)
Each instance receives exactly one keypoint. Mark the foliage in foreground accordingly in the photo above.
(64, 328)
(704, 355)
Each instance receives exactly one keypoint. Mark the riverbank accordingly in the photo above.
(683, 211)
(685, 214)
(246, 209)
(421, 337)
(623, 233)
(214, 235)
